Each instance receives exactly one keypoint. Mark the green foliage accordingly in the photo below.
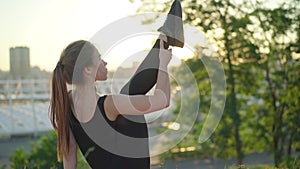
(18, 159)
(43, 154)
(260, 50)
(3, 166)
(81, 161)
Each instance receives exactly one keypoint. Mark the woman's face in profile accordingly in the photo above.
(101, 69)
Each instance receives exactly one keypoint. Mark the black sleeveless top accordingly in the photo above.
(99, 142)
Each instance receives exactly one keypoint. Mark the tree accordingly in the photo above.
(43, 154)
(278, 40)
(18, 159)
(234, 46)
(256, 45)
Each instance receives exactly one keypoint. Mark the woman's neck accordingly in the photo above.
(85, 101)
(84, 90)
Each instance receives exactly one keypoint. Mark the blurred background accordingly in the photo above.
(258, 43)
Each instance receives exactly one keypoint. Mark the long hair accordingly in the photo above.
(60, 103)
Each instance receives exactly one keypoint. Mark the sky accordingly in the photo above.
(46, 27)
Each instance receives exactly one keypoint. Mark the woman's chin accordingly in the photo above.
(101, 79)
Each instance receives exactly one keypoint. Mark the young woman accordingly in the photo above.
(73, 111)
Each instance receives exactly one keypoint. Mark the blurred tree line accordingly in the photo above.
(259, 46)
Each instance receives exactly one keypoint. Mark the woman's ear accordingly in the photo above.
(87, 70)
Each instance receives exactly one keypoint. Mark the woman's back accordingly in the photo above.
(100, 137)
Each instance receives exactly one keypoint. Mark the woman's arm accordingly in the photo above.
(141, 104)
(70, 160)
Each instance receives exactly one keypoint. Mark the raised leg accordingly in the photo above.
(141, 82)
(145, 76)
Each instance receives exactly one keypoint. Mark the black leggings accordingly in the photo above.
(141, 82)
(145, 76)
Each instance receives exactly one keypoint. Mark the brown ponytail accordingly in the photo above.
(60, 103)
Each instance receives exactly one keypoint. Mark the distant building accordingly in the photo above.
(19, 62)
(125, 72)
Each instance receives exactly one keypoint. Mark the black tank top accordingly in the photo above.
(99, 157)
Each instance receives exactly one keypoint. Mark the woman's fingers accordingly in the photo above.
(163, 37)
(165, 55)
(161, 44)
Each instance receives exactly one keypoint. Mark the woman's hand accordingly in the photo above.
(165, 55)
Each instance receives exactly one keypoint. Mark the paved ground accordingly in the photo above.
(8, 146)
(250, 160)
